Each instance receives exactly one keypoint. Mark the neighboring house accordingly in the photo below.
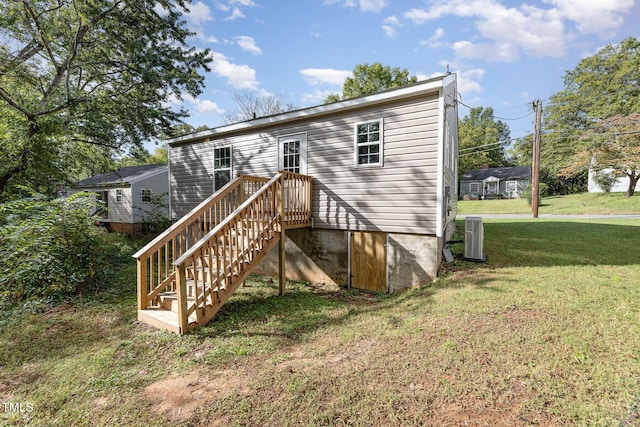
(619, 184)
(384, 181)
(488, 183)
(129, 195)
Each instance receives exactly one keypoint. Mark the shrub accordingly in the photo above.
(543, 190)
(605, 179)
(50, 249)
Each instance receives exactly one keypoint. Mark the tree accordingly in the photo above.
(250, 106)
(369, 79)
(614, 144)
(99, 72)
(601, 86)
(482, 140)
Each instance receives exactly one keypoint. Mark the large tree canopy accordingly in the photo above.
(601, 86)
(369, 79)
(482, 140)
(99, 71)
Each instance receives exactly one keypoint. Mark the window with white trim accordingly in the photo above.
(511, 186)
(221, 167)
(368, 143)
(474, 187)
(118, 195)
(145, 195)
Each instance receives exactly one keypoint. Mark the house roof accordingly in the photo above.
(122, 176)
(415, 89)
(514, 172)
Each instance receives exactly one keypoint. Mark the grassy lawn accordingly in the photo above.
(574, 204)
(546, 333)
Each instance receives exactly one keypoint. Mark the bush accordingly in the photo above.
(543, 190)
(51, 249)
(605, 180)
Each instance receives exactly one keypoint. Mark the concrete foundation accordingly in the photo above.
(321, 256)
(412, 260)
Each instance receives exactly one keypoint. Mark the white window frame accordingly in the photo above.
(118, 195)
(302, 139)
(144, 195)
(513, 184)
(215, 169)
(475, 184)
(380, 143)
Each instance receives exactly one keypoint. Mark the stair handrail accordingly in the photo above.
(187, 219)
(168, 245)
(231, 217)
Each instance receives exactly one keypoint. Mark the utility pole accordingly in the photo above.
(535, 161)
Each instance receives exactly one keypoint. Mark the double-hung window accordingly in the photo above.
(118, 195)
(474, 187)
(221, 167)
(369, 143)
(146, 195)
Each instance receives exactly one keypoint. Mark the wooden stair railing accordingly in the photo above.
(206, 274)
(155, 260)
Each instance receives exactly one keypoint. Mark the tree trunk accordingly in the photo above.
(23, 160)
(633, 180)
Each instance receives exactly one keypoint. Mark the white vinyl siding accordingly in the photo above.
(400, 196)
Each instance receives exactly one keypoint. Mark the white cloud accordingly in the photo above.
(236, 14)
(199, 14)
(434, 41)
(248, 44)
(238, 76)
(373, 6)
(203, 106)
(317, 96)
(506, 33)
(594, 17)
(318, 76)
(390, 24)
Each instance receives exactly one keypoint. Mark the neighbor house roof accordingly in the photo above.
(514, 172)
(122, 176)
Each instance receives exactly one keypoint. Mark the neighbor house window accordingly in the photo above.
(221, 167)
(146, 195)
(511, 186)
(369, 139)
(474, 187)
(118, 196)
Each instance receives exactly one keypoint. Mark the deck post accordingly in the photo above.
(181, 279)
(142, 283)
(281, 253)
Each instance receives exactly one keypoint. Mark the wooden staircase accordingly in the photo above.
(188, 272)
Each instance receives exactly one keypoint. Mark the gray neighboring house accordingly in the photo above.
(384, 171)
(128, 195)
(487, 183)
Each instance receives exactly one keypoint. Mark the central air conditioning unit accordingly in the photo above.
(473, 239)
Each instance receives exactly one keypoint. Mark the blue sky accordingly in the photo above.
(505, 53)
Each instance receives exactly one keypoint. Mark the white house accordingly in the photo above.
(129, 195)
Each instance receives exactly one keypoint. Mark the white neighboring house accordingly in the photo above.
(129, 195)
(620, 185)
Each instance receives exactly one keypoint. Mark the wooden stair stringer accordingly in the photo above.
(223, 297)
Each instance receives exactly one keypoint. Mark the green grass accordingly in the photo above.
(547, 332)
(574, 204)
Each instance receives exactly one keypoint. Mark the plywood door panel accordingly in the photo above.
(369, 261)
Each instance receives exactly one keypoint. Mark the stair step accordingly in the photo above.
(160, 318)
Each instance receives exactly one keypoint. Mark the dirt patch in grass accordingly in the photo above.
(178, 397)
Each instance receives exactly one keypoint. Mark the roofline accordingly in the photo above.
(424, 86)
(127, 182)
